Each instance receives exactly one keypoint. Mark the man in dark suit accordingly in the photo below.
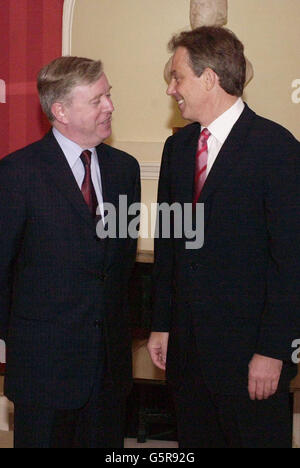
(63, 288)
(226, 314)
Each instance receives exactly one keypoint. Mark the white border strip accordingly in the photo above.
(68, 14)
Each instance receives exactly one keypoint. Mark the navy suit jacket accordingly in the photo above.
(239, 294)
(59, 283)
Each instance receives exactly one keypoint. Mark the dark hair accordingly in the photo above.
(216, 48)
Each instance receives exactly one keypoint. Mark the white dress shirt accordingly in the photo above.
(220, 129)
(72, 152)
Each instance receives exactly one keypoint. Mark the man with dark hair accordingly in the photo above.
(63, 288)
(222, 52)
(226, 315)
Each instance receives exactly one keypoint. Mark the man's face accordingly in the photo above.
(89, 112)
(186, 88)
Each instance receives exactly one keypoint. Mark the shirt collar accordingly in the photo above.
(222, 126)
(71, 150)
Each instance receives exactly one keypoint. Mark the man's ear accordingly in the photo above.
(210, 78)
(59, 111)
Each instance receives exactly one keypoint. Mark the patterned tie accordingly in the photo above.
(87, 188)
(201, 164)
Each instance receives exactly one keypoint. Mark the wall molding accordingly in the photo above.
(147, 153)
(150, 170)
(68, 14)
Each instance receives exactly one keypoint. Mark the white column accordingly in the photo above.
(68, 13)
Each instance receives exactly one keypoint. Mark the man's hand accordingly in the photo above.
(157, 347)
(264, 375)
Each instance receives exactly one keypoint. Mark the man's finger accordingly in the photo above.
(157, 357)
(252, 389)
(274, 386)
(157, 347)
(260, 389)
(267, 390)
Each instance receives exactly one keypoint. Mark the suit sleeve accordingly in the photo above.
(163, 253)
(281, 320)
(12, 222)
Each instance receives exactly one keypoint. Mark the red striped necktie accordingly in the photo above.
(201, 164)
(87, 188)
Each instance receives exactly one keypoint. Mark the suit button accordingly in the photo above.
(103, 277)
(194, 266)
(97, 324)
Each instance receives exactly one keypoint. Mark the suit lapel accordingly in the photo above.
(110, 185)
(185, 164)
(60, 173)
(229, 154)
(110, 191)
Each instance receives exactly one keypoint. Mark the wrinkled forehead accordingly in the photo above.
(90, 90)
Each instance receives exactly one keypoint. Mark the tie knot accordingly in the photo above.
(205, 134)
(86, 157)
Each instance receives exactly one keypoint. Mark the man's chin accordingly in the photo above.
(104, 136)
(184, 112)
(186, 116)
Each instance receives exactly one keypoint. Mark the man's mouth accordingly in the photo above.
(106, 121)
(181, 101)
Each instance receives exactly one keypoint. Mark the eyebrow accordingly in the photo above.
(100, 95)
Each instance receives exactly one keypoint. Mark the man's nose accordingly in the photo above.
(171, 90)
(109, 107)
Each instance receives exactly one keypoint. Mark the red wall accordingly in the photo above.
(30, 37)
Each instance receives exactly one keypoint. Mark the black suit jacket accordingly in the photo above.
(239, 294)
(58, 281)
